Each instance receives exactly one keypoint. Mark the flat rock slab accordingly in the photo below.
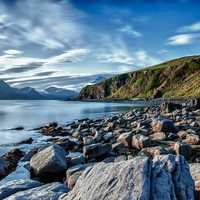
(114, 181)
(50, 191)
(14, 186)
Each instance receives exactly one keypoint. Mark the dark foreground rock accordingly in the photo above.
(9, 161)
(165, 178)
(49, 164)
(50, 191)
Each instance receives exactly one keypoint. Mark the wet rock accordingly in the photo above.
(153, 151)
(50, 191)
(140, 141)
(78, 168)
(169, 107)
(171, 178)
(192, 139)
(28, 155)
(75, 159)
(74, 173)
(67, 144)
(53, 130)
(194, 103)
(182, 134)
(49, 164)
(125, 139)
(183, 149)
(158, 136)
(19, 128)
(88, 140)
(108, 136)
(27, 141)
(15, 186)
(118, 148)
(172, 136)
(72, 179)
(96, 150)
(164, 125)
(9, 161)
(76, 134)
(97, 136)
(53, 124)
(120, 180)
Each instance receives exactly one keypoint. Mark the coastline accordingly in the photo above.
(154, 132)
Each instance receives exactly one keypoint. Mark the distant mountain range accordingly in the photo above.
(8, 92)
(175, 78)
(52, 93)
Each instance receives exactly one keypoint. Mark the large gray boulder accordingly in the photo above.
(167, 177)
(49, 164)
(14, 186)
(171, 179)
(122, 180)
(50, 191)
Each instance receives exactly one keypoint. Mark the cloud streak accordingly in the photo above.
(130, 31)
(195, 27)
(58, 30)
(183, 39)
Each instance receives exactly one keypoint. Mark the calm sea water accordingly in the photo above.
(32, 114)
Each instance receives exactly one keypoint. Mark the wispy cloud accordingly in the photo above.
(13, 52)
(127, 61)
(119, 57)
(184, 39)
(56, 31)
(188, 34)
(13, 58)
(69, 56)
(130, 31)
(144, 59)
(195, 27)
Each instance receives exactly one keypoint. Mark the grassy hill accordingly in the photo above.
(175, 78)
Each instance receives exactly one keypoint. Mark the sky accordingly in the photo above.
(52, 39)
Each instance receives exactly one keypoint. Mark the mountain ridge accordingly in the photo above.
(176, 78)
(28, 93)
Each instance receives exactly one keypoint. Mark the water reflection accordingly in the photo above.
(31, 114)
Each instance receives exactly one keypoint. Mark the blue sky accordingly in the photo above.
(55, 38)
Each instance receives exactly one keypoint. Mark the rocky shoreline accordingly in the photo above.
(148, 153)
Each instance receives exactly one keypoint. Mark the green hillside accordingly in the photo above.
(176, 78)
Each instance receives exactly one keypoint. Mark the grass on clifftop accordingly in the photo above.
(176, 78)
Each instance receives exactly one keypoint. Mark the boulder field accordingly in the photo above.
(143, 154)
